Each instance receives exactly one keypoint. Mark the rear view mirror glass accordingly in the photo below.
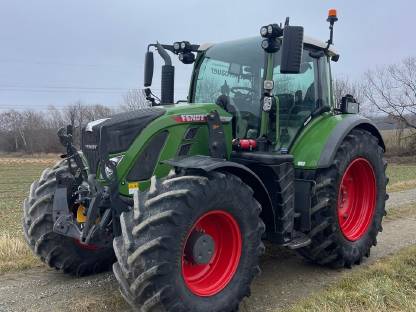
(292, 49)
(148, 69)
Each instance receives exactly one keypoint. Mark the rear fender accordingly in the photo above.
(318, 142)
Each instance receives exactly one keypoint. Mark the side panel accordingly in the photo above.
(315, 147)
(307, 148)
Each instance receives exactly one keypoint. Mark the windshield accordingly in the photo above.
(230, 75)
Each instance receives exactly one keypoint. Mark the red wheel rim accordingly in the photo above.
(209, 279)
(85, 246)
(357, 199)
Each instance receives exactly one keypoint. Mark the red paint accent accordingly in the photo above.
(86, 246)
(357, 199)
(210, 279)
(247, 144)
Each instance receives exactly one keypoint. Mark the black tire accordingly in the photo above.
(59, 252)
(329, 245)
(149, 252)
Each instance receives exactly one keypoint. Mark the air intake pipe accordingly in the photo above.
(168, 77)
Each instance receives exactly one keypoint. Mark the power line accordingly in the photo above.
(24, 87)
(20, 61)
(67, 87)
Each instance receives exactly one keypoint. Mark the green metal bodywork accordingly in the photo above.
(309, 145)
(306, 149)
(175, 139)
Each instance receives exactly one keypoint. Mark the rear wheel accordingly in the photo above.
(193, 245)
(59, 252)
(349, 203)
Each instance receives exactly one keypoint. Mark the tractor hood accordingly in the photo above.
(115, 134)
(133, 133)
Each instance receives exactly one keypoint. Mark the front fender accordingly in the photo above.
(318, 142)
(208, 164)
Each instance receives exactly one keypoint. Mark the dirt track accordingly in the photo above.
(286, 277)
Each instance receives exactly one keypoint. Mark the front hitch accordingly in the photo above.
(76, 187)
(91, 232)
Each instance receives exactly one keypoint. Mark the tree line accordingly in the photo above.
(386, 93)
(31, 131)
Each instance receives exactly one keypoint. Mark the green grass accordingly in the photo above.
(401, 177)
(387, 285)
(16, 176)
(406, 211)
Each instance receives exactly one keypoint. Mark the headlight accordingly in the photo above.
(263, 31)
(115, 161)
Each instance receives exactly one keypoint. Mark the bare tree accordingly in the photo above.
(95, 112)
(392, 90)
(55, 117)
(134, 100)
(35, 131)
(12, 122)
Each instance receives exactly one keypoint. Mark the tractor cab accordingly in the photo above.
(235, 80)
(271, 85)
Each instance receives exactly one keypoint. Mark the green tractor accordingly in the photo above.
(180, 197)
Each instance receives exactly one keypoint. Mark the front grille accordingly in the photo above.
(115, 134)
(89, 146)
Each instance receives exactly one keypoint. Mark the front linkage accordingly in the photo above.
(84, 209)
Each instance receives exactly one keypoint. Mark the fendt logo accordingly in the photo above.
(91, 146)
(191, 118)
(197, 118)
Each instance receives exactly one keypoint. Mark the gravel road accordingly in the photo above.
(286, 277)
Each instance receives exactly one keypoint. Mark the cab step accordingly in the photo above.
(299, 240)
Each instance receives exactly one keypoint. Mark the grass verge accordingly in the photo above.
(402, 177)
(387, 285)
(406, 211)
(110, 302)
(16, 176)
(14, 254)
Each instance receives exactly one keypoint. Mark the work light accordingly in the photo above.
(115, 160)
(271, 31)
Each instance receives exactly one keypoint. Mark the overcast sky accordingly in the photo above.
(56, 52)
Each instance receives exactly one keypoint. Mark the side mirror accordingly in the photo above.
(292, 50)
(349, 105)
(148, 69)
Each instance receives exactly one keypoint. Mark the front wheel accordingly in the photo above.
(59, 252)
(193, 245)
(349, 203)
